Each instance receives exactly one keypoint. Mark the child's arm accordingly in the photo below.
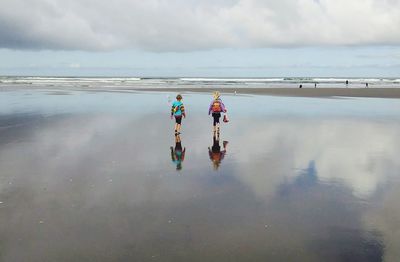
(172, 154)
(183, 154)
(223, 107)
(183, 110)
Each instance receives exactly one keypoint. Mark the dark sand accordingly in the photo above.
(89, 176)
(382, 92)
(300, 92)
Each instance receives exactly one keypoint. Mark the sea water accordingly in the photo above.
(137, 82)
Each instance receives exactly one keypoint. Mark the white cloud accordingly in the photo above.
(178, 25)
(74, 65)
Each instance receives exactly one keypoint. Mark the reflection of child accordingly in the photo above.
(177, 111)
(215, 153)
(216, 108)
(177, 154)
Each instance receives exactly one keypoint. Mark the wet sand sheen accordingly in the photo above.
(300, 92)
(97, 179)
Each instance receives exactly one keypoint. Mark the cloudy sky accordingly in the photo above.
(200, 38)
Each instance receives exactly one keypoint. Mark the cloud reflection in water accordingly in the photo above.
(291, 188)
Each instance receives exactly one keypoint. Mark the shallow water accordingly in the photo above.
(90, 176)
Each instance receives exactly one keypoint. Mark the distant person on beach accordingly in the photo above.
(177, 154)
(315, 85)
(300, 86)
(178, 111)
(215, 109)
(215, 153)
(366, 85)
(347, 82)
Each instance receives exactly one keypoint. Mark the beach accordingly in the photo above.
(199, 131)
(301, 92)
(92, 175)
(326, 87)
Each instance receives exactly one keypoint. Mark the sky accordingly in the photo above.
(244, 38)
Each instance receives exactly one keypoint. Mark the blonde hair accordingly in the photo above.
(216, 94)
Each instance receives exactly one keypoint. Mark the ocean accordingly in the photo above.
(183, 82)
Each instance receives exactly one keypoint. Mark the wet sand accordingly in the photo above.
(300, 92)
(306, 91)
(100, 176)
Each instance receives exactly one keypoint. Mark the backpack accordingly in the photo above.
(216, 106)
(216, 157)
(177, 108)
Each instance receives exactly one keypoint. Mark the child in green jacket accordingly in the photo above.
(178, 111)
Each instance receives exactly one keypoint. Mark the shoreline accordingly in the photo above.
(383, 92)
(294, 92)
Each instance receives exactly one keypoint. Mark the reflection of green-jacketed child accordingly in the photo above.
(178, 111)
(177, 154)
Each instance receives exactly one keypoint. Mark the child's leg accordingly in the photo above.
(214, 123)
(178, 120)
(217, 119)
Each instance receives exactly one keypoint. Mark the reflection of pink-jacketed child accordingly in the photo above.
(216, 108)
(215, 153)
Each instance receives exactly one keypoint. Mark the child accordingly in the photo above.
(215, 109)
(178, 110)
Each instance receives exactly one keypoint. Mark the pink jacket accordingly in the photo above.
(211, 104)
